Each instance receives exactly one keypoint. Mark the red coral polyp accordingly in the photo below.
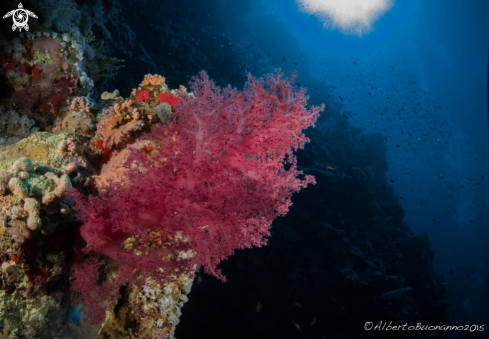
(148, 148)
(168, 98)
(106, 150)
(36, 75)
(143, 96)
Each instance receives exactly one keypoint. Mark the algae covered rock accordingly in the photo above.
(25, 316)
(34, 177)
(14, 127)
(41, 148)
(36, 222)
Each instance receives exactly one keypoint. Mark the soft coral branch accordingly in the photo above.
(213, 185)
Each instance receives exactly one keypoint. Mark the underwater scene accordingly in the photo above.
(244, 169)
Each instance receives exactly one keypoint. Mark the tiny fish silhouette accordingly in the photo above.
(259, 306)
(297, 326)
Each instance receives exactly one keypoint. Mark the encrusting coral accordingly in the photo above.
(14, 126)
(127, 119)
(31, 186)
(110, 96)
(76, 118)
(153, 310)
(33, 209)
(36, 223)
(42, 71)
(43, 149)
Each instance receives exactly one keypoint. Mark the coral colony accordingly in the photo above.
(123, 207)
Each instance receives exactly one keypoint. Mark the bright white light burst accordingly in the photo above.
(350, 16)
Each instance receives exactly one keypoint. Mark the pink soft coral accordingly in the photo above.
(213, 185)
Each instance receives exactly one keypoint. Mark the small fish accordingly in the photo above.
(199, 279)
(283, 57)
(295, 63)
(313, 322)
(298, 326)
(298, 305)
(433, 219)
(330, 167)
(259, 306)
(355, 62)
